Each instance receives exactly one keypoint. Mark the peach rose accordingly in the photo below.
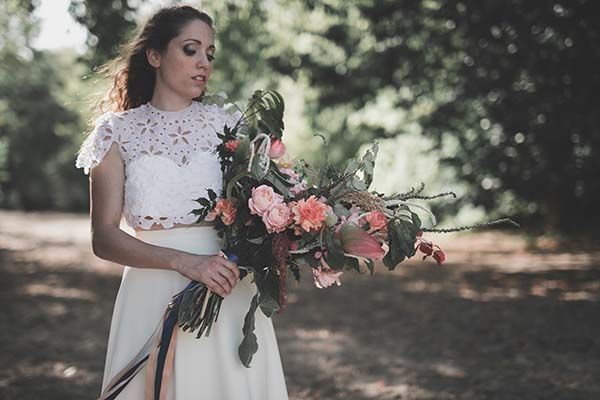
(232, 145)
(277, 149)
(277, 218)
(263, 198)
(309, 213)
(376, 221)
(225, 209)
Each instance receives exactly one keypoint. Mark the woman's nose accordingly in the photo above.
(203, 61)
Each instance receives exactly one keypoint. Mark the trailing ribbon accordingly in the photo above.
(158, 353)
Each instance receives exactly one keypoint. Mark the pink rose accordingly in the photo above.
(376, 221)
(263, 198)
(277, 149)
(277, 218)
(309, 213)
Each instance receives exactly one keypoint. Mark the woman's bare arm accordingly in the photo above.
(111, 243)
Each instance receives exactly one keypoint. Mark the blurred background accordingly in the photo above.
(496, 100)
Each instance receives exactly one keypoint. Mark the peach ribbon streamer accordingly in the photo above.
(167, 370)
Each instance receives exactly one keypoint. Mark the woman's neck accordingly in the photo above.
(164, 99)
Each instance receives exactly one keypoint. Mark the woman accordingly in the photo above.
(148, 159)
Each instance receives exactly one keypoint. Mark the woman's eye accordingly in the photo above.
(189, 51)
(210, 57)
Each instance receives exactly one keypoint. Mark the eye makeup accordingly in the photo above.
(188, 49)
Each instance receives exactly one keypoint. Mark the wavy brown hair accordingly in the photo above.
(133, 77)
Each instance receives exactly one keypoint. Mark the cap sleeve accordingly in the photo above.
(97, 143)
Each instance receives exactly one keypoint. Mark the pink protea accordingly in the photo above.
(428, 248)
(359, 243)
(309, 214)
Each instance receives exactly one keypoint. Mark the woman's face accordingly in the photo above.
(185, 66)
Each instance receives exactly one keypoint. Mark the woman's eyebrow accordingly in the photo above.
(199, 42)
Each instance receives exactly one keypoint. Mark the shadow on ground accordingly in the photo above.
(505, 325)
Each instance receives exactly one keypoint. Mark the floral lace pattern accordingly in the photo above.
(167, 156)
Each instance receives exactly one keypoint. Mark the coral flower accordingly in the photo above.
(376, 221)
(225, 209)
(232, 145)
(309, 213)
(428, 248)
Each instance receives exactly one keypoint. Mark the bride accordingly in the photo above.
(148, 158)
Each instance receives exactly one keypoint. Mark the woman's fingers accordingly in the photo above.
(213, 286)
(232, 268)
(222, 282)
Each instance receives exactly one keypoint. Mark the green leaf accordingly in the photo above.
(351, 166)
(242, 152)
(268, 289)
(233, 181)
(401, 239)
(259, 166)
(211, 194)
(249, 345)
(352, 264)
(258, 240)
(281, 187)
(371, 265)
(358, 184)
(335, 254)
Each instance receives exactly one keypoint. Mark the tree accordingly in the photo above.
(33, 119)
(512, 83)
(108, 26)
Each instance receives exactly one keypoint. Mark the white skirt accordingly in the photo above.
(205, 368)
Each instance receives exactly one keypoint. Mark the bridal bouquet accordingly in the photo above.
(275, 214)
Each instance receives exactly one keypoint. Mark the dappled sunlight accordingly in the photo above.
(420, 332)
(38, 289)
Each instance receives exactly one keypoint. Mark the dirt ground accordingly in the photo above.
(505, 318)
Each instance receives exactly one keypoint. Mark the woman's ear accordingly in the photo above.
(153, 57)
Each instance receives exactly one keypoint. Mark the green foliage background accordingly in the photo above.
(495, 99)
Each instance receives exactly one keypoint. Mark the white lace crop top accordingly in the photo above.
(167, 156)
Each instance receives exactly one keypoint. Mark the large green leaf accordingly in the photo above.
(268, 289)
(335, 254)
(401, 237)
(249, 345)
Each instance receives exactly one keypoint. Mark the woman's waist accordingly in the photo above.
(198, 239)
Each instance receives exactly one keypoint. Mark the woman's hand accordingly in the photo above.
(218, 273)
